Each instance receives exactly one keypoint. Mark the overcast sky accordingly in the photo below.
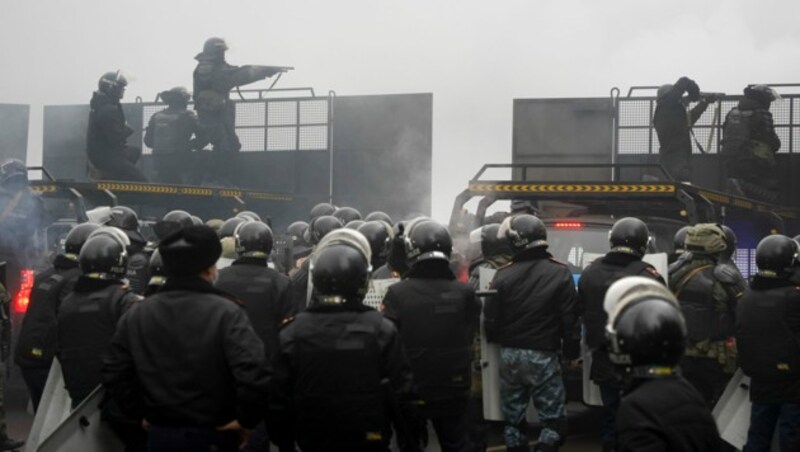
(474, 56)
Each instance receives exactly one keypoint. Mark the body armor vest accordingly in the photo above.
(169, 134)
(706, 316)
(86, 324)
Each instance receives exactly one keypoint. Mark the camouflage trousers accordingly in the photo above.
(527, 375)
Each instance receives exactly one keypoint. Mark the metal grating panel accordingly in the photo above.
(634, 141)
(252, 139)
(313, 138)
(250, 114)
(147, 112)
(783, 134)
(281, 139)
(282, 113)
(634, 113)
(313, 112)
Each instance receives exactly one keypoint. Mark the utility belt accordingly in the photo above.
(724, 352)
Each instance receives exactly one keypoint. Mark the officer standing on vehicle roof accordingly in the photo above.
(108, 133)
(87, 317)
(659, 411)
(533, 311)
(341, 374)
(629, 239)
(193, 387)
(170, 135)
(36, 344)
(768, 340)
(214, 78)
(437, 317)
(673, 124)
(749, 144)
(707, 294)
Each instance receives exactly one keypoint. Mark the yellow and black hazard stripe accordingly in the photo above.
(571, 188)
(44, 188)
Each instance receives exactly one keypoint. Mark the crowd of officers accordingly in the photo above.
(203, 341)
(176, 133)
(748, 142)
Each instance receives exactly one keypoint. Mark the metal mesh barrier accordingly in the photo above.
(636, 135)
(291, 124)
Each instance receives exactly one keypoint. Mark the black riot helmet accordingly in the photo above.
(172, 222)
(254, 239)
(524, 232)
(378, 234)
(354, 225)
(113, 84)
(320, 210)
(249, 215)
(197, 221)
(491, 244)
(649, 331)
(776, 255)
(214, 48)
(679, 241)
(761, 93)
(320, 227)
(379, 216)
(297, 231)
(176, 97)
(13, 174)
(75, 239)
(229, 226)
(340, 267)
(730, 241)
(103, 256)
(125, 218)
(347, 214)
(629, 235)
(158, 274)
(427, 239)
(396, 248)
(341, 270)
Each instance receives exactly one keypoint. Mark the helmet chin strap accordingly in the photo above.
(654, 372)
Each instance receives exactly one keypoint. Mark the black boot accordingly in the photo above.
(10, 444)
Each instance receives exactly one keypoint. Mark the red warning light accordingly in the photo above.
(568, 225)
(23, 297)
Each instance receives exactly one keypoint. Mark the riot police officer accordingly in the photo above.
(213, 79)
(495, 252)
(170, 135)
(768, 341)
(378, 233)
(437, 317)
(173, 221)
(659, 409)
(396, 264)
(126, 220)
(158, 274)
(341, 373)
(87, 317)
(673, 125)
(265, 292)
(317, 229)
(707, 296)
(533, 311)
(379, 215)
(678, 245)
(749, 144)
(320, 210)
(107, 135)
(36, 344)
(300, 247)
(21, 215)
(629, 239)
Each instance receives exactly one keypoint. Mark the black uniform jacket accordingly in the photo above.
(188, 356)
(437, 317)
(665, 415)
(768, 339)
(266, 295)
(592, 287)
(107, 132)
(36, 344)
(340, 374)
(535, 306)
(671, 121)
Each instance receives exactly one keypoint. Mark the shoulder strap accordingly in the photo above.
(682, 283)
